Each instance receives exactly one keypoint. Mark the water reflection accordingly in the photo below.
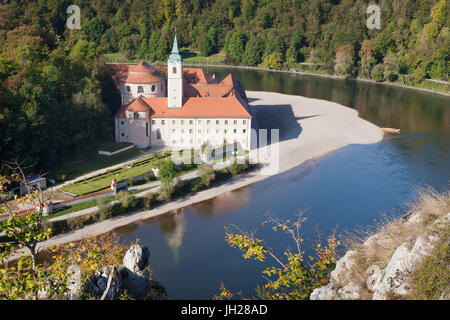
(225, 203)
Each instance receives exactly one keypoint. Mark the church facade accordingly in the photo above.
(183, 110)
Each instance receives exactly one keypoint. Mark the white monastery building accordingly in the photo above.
(183, 111)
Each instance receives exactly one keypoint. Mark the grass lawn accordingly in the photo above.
(93, 163)
(103, 181)
(88, 204)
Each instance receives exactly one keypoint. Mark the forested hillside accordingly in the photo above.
(57, 100)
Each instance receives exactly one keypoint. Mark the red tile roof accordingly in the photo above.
(139, 74)
(198, 76)
(229, 107)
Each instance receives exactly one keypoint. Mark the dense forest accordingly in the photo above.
(57, 98)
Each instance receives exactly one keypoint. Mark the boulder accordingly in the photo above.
(349, 292)
(323, 293)
(97, 284)
(136, 285)
(136, 258)
(74, 283)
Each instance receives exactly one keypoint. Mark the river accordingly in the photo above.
(347, 190)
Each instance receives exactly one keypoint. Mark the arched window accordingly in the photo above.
(174, 70)
(140, 89)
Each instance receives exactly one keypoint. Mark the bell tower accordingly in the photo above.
(175, 78)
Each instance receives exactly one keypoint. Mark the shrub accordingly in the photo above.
(206, 173)
(378, 73)
(165, 192)
(103, 202)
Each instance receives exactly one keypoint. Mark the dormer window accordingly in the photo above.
(153, 88)
(140, 89)
(136, 115)
(128, 89)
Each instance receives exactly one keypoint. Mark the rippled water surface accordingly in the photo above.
(347, 189)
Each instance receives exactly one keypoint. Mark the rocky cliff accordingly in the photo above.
(388, 264)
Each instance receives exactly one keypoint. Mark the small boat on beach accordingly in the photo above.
(390, 130)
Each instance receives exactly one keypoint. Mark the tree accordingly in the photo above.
(273, 60)
(206, 173)
(23, 233)
(378, 73)
(383, 44)
(93, 30)
(344, 63)
(293, 277)
(167, 171)
(367, 55)
(236, 47)
(391, 67)
(253, 51)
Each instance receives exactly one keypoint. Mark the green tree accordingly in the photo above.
(391, 67)
(344, 63)
(273, 61)
(167, 171)
(206, 173)
(383, 44)
(93, 30)
(253, 51)
(378, 73)
(236, 47)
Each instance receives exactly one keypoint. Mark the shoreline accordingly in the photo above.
(329, 76)
(302, 138)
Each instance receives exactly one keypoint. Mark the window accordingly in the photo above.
(226, 121)
(122, 122)
(163, 122)
(217, 121)
(235, 121)
(174, 70)
(208, 122)
(128, 89)
(174, 130)
(244, 122)
(136, 115)
(244, 131)
(182, 121)
(190, 131)
(199, 121)
(153, 88)
(122, 134)
(140, 89)
(235, 131)
(191, 121)
(146, 129)
(158, 134)
(153, 121)
(173, 121)
(225, 131)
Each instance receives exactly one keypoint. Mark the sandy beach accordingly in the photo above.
(309, 128)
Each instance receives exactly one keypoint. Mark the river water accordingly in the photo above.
(347, 190)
